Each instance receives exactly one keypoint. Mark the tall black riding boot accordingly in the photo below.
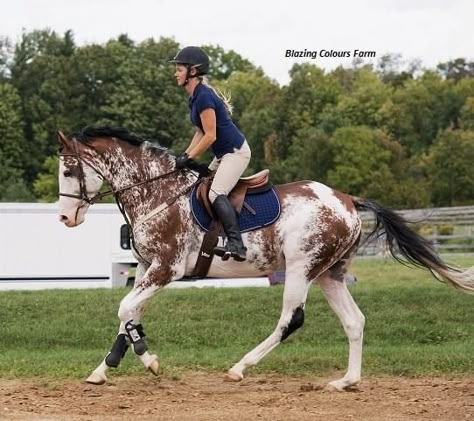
(228, 217)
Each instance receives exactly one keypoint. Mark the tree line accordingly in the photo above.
(401, 134)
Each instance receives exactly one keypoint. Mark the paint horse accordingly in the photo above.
(314, 240)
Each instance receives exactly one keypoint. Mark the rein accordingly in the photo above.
(82, 180)
(91, 200)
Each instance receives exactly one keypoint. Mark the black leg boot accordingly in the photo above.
(228, 217)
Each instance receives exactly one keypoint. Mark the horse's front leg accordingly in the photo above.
(131, 330)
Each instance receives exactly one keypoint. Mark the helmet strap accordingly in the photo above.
(188, 75)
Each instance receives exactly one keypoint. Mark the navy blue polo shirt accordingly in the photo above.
(228, 136)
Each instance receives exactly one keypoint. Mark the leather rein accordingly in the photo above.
(98, 196)
(84, 197)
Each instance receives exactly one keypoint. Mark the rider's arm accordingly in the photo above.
(208, 120)
(196, 138)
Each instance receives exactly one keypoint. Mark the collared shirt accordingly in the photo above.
(228, 136)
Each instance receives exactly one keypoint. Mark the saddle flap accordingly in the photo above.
(202, 194)
(237, 196)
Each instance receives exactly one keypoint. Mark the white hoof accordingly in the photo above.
(331, 387)
(232, 376)
(340, 385)
(96, 378)
(154, 366)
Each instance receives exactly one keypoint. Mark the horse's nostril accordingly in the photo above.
(63, 218)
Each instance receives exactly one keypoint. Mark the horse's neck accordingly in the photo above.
(144, 164)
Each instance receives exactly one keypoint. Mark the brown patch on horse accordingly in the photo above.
(346, 200)
(269, 247)
(339, 269)
(296, 189)
(72, 165)
(330, 241)
(167, 237)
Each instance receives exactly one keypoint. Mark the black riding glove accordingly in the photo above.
(202, 169)
(183, 161)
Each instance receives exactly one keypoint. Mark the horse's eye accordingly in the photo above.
(67, 173)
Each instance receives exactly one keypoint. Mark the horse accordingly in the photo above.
(314, 240)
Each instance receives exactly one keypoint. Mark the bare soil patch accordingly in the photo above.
(204, 396)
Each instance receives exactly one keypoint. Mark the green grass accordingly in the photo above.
(415, 326)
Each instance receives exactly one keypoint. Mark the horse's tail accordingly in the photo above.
(410, 248)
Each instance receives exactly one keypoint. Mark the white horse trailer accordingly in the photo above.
(38, 252)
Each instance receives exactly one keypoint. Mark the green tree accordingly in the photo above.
(466, 120)
(451, 168)
(45, 79)
(6, 53)
(145, 97)
(457, 69)
(365, 104)
(255, 98)
(46, 186)
(421, 109)
(302, 103)
(389, 66)
(360, 159)
(12, 146)
(310, 157)
(225, 62)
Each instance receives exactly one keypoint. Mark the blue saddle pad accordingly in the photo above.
(266, 205)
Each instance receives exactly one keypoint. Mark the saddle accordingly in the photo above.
(257, 183)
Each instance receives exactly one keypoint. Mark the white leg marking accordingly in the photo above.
(98, 375)
(294, 296)
(352, 319)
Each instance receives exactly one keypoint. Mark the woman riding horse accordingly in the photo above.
(210, 113)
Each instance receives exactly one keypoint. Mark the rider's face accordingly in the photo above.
(180, 74)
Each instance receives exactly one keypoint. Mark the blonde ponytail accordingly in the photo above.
(225, 96)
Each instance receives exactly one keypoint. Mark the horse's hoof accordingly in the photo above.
(331, 387)
(96, 378)
(231, 376)
(154, 366)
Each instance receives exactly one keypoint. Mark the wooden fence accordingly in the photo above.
(451, 230)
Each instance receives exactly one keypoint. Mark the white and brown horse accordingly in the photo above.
(314, 240)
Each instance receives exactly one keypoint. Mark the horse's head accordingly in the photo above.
(79, 181)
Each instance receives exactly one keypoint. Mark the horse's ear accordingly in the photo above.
(62, 138)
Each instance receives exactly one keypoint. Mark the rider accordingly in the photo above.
(210, 113)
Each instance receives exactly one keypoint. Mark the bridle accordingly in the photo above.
(84, 197)
(98, 196)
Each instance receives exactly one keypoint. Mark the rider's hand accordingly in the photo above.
(182, 161)
(202, 169)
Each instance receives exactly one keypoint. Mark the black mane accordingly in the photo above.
(89, 132)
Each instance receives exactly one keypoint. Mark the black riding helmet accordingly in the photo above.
(193, 57)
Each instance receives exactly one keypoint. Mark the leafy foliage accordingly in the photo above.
(395, 132)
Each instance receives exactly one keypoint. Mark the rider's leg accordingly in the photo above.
(231, 167)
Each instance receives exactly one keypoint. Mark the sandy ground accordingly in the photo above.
(204, 396)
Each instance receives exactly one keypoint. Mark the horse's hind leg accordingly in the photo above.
(339, 298)
(292, 318)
